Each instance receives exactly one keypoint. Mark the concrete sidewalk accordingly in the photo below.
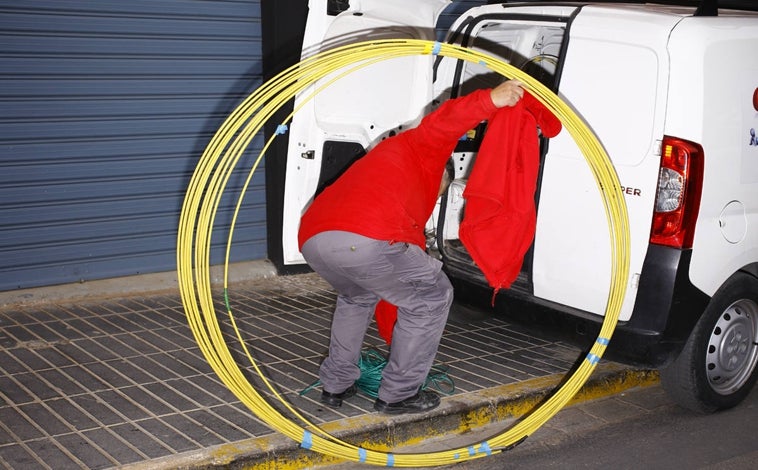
(119, 381)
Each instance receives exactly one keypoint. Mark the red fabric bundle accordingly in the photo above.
(500, 218)
(385, 315)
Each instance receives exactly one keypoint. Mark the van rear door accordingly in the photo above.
(349, 117)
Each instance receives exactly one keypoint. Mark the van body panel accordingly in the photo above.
(714, 77)
(614, 66)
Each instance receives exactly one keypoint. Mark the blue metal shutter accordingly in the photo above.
(105, 109)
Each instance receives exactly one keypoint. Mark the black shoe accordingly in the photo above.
(334, 400)
(418, 403)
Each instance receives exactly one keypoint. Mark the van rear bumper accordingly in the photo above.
(667, 306)
(665, 312)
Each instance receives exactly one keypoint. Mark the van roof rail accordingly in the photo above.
(707, 8)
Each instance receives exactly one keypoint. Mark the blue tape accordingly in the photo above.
(485, 447)
(471, 451)
(281, 129)
(436, 48)
(456, 456)
(593, 358)
(603, 341)
(307, 440)
(390, 460)
(361, 455)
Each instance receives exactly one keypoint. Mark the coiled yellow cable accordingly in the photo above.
(220, 159)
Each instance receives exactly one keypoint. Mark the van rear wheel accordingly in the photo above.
(717, 367)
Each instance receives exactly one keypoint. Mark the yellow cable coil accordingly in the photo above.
(219, 160)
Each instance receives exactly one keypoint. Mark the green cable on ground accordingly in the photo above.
(371, 365)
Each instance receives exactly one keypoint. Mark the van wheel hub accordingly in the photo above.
(732, 350)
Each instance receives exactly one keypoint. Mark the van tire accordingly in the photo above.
(717, 367)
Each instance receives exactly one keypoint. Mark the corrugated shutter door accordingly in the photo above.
(105, 110)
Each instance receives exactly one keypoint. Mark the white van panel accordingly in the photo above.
(714, 76)
(619, 87)
(360, 107)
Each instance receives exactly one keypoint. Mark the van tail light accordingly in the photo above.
(680, 183)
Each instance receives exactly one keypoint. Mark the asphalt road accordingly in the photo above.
(658, 435)
(638, 429)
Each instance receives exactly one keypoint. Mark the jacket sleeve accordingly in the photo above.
(441, 129)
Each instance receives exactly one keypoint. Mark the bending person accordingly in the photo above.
(364, 234)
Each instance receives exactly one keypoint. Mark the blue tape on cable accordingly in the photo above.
(281, 129)
(390, 460)
(484, 447)
(471, 451)
(603, 341)
(307, 440)
(436, 48)
(594, 359)
(362, 455)
(456, 456)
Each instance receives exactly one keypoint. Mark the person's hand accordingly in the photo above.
(507, 93)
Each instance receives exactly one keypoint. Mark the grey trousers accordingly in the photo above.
(363, 271)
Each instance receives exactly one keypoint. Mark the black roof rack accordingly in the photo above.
(707, 8)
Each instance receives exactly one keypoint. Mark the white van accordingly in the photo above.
(672, 94)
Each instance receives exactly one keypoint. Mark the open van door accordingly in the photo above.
(345, 120)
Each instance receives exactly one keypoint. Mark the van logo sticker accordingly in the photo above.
(631, 191)
(753, 138)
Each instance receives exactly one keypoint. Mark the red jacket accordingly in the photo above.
(500, 218)
(390, 193)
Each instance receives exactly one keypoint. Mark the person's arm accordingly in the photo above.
(442, 128)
